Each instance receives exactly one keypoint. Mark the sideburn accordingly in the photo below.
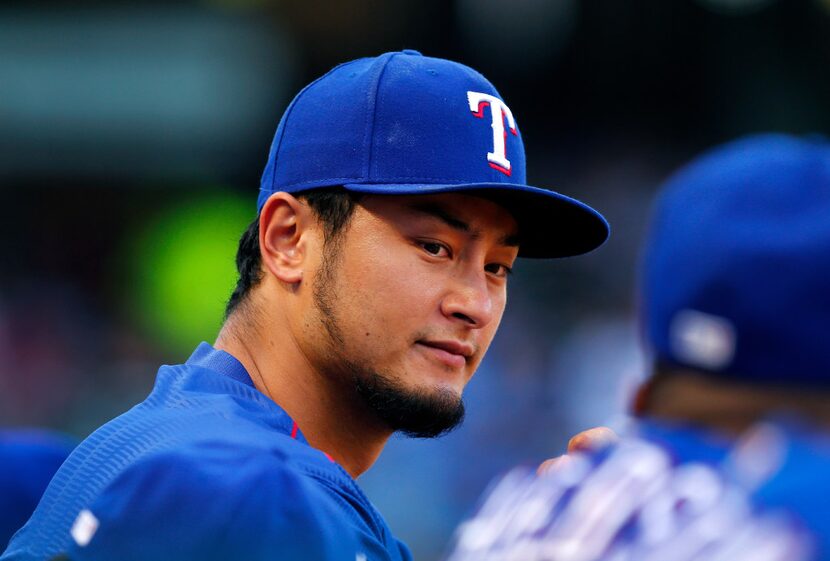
(323, 288)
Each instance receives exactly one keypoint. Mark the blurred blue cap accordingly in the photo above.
(406, 124)
(736, 278)
(28, 460)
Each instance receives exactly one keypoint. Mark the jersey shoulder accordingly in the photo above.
(212, 503)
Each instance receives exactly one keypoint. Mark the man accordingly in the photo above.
(391, 210)
(735, 310)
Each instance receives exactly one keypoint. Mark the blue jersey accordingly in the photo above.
(28, 460)
(663, 495)
(206, 467)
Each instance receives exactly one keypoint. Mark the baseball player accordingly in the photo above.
(28, 460)
(391, 210)
(731, 456)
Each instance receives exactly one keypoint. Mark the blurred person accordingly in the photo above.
(730, 457)
(392, 208)
(28, 460)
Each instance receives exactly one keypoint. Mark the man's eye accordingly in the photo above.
(434, 248)
(498, 269)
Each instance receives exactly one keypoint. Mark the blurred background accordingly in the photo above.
(133, 134)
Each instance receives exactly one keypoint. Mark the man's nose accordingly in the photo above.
(470, 300)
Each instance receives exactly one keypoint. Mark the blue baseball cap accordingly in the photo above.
(736, 276)
(406, 124)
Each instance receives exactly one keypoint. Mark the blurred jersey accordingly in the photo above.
(664, 494)
(28, 460)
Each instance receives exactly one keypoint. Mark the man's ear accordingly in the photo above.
(283, 236)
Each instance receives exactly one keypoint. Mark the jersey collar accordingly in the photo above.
(206, 356)
(219, 361)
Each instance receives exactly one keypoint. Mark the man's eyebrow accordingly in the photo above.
(441, 213)
(510, 240)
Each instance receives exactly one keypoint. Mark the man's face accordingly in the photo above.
(408, 299)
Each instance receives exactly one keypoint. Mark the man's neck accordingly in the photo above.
(328, 412)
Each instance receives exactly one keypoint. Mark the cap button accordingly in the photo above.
(412, 52)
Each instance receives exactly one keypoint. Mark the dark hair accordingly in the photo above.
(333, 208)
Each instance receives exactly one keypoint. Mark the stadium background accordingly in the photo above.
(133, 134)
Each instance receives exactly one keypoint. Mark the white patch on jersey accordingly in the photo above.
(360, 557)
(702, 339)
(498, 112)
(84, 527)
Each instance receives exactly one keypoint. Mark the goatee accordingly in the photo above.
(415, 413)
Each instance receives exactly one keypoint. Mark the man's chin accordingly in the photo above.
(418, 413)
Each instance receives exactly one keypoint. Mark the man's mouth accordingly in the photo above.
(452, 353)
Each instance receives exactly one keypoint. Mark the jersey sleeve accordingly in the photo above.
(211, 504)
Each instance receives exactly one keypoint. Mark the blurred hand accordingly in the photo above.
(590, 440)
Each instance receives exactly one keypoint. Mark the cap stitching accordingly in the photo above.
(450, 180)
(331, 180)
(370, 128)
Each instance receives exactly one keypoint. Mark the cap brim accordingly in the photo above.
(550, 224)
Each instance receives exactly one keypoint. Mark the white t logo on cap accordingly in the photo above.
(498, 112)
